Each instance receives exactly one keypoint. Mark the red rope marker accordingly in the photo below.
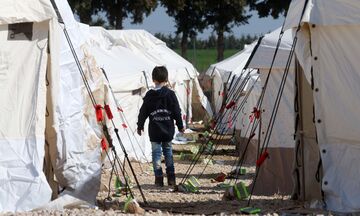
(99, 114)
(251, 117)
(262, 158)
(108, 112)
(230, 105)
(124, 125)
(103, 144)
(230, 124)
(120, 110)
(256, 113)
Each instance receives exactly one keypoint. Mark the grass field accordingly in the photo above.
(203, 58)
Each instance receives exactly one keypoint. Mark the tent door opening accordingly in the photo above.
(307, 151)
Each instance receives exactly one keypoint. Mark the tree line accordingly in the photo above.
(230, 41)
(191, 16)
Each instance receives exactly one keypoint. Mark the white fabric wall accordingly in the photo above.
(221, 71)
(22, 123)
(78, 162)
(17, 11)
(284, 126)
(264, 55)
(324, 12)
(124, 70)
(243, 121)
(336, 76)
(218, 90)
(330, 47)
(145, 45)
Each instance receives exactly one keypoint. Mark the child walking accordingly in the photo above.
(162, 108)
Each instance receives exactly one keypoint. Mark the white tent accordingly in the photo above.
(49, 114)
(129, 76)
(275, 174)
(223, 72)
(75, 143)
(327, 50)
(28, 31)
(182, 74)
(224, 75)
(276, 171)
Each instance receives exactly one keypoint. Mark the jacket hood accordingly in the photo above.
(163, 92)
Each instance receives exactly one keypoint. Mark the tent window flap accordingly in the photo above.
(20, 31)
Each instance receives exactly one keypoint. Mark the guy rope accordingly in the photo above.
(98, 109)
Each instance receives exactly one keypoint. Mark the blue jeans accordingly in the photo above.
(157, 150)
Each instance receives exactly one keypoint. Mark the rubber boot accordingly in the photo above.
(171, 179)
(159, 181)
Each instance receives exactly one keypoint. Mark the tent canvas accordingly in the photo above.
(56, 120)
(327, 51)
(28, 30)
(75, 144)
(182, 74)
(129, 76)
(223, 72)
(224, 75)
(275, 175)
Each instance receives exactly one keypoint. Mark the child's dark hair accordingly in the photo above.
(160, 74)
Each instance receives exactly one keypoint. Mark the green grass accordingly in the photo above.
(203, 58)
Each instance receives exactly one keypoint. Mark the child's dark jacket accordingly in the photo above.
(162, 108)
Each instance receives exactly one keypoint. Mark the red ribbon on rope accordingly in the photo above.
(251, 117)
(262, 158)
(256, 112)
(124, 125)
(108, 112)
(120, 110)
(103, 144)
(230, 105)
(99, 114)
(230, 124)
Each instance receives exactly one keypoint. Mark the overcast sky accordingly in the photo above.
(159, 21)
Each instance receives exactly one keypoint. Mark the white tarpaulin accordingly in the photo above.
(181, 72)
(264, 55)
(284, 126)
(223, 72)
(129, 78)
(226, 74)
(283, 132)
(77, 165)
(23, 69)
(275, 175)
(330, 48)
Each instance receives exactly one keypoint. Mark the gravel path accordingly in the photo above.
(163, 201)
